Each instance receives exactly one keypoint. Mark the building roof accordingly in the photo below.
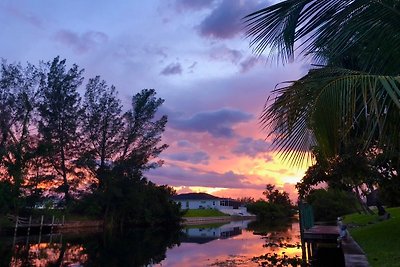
(195, 196)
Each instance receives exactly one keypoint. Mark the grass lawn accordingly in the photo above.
(379, 239)
(204, 213)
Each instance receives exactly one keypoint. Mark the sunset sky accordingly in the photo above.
(193, 52)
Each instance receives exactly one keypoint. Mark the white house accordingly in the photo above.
(207, 201)
(198, 201)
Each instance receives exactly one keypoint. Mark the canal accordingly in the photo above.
(238, 243)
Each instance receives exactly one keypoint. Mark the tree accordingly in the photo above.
(59, 119)
(277, 206)
(127, 188)
(328, 204)
(275, 197)
(18, 103)
(356, 87)
(101, 128)
(142, 134)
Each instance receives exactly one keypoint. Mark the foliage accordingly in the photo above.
(278, 205)
(245, 200)
(274, 196)
(91, 152)
(331, 29)
(59, 110)
(354, 90)
(389, 192)
(273, 259)
(377, 238)
(7, 197)
(19, 89)
(268, 211)
(389, 180)
(345, 171)
(102, 124)
(331, 203)
(138, 202)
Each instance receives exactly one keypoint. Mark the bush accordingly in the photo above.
(7, 197)
(330, 204)
(269, 211)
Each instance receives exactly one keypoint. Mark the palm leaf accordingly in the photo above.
(330, 28)
(328, 107)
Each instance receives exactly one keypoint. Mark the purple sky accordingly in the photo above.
(193, 52)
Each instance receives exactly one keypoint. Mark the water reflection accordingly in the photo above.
(201, 234)
(139, 247)
(237, 244)
(241, 243)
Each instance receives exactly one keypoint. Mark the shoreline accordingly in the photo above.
(207, 220)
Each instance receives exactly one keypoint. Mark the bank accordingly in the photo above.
(380, 239)
(209, 216)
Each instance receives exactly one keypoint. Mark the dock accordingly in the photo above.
(314, 236)
(321, 234)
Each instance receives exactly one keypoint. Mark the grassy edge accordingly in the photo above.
(203, 213)
(379, 239)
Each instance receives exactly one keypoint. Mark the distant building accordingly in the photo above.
(206, 201)
(193, 201)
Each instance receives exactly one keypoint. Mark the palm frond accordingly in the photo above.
(326, 107)
(363, 105)
(328, 29)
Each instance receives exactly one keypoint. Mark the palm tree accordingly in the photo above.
(355, 88)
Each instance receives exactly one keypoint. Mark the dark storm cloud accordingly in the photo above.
(81, 43)
(225, 22)
(178, 176)
(218, 123)
(172, 69)
(199, 157)
(251, 147)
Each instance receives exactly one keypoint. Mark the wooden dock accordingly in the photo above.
(354, 256)
(27, 224)
(321, 234)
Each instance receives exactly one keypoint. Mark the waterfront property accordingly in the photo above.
(192, 201)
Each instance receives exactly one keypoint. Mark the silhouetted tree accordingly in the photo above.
(141, 136)
(59, 118)
(101, 128)
(18, 93)
(274, 196)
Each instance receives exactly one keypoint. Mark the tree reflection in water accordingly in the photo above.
(233, 244)
(283, 242)
(139, 247)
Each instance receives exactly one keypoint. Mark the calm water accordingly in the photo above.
(242, 243)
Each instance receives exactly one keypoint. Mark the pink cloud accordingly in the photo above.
(175, 175)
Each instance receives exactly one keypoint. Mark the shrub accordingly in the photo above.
(331, 203)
